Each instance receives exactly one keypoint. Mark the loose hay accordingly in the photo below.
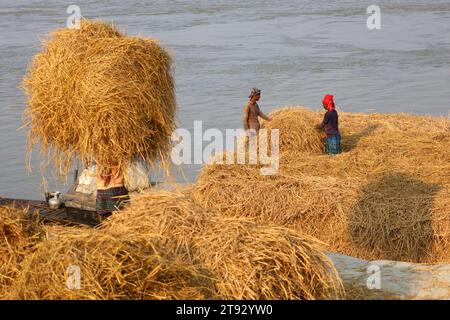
(296, 130)
(18, 234)
(110, 266)
(248, 260)
(166, 247)
(95, 93)
(384, 197)
(401, 218)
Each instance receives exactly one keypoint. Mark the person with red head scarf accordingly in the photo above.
(331, 125)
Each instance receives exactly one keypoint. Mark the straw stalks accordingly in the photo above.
(248, 260)
(19, 232)
(385, 197)
(99, 95)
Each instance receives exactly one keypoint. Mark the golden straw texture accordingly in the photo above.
(386, 196)
(111, 266)
(164, 246)
(248, 260)
(97, 94)
(19, 232)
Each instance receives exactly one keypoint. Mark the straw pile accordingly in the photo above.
(95, 93)
(385, 197)
(18, 234)
(296, 129)
(248, 260)
(166, 247)
(111, 266)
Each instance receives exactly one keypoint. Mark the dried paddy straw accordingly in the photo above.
(111, 266)
(18, 234)
(385, 197)
(95, 93)
(166, 247)
(248, 260)
(296, 130)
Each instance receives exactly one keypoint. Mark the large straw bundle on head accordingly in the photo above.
(384, 197)
(19, 232)
(96, 93)
(108, 266)
(296, 130)
(248, 260)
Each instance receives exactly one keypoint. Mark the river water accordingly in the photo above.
(295, 51)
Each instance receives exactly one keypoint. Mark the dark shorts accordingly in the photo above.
(333, 145)
(111, 199)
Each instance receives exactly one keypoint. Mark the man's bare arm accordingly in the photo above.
(262, 115)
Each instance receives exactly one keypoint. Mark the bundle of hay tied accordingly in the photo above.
(96, 94)
(386, 196)
(165, 247)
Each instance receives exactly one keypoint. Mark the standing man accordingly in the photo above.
(252, 112)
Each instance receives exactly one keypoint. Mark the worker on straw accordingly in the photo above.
(111, 191)
(252, 112)
(331, 125)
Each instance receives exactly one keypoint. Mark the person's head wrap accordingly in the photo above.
(255, 92)
(328, 102)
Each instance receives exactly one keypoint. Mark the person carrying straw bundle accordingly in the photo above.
(111, 191)
(97, 93)
(331, 125)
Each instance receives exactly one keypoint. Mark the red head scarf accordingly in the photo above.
(328, 102)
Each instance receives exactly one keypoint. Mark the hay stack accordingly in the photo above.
(166, 247)
(296, 130)
(401, 218)
(395, 217)
(112, 266)
(284, 198)
(18, 234)
(248, 260)
(384, 197)
(96, 93)
(314, 205)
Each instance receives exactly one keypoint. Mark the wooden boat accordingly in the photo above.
(65, 215)
(78, 208)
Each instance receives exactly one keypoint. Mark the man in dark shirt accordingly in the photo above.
(331, 125)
